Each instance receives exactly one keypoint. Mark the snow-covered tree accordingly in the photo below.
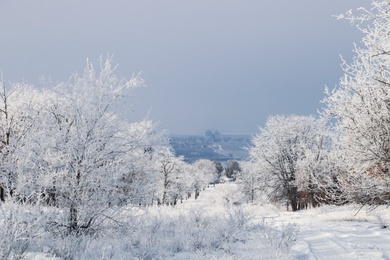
(76, 149)
(232, 169)
(171, 170)
(19, 106)
(140, 183)
(250, 181)
(361, 104)
(277, 150)
(320, 177)
(219, 169)
(204, 172)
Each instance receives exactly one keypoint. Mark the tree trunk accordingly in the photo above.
(2, 194)
(196, 194)
(73, 224)
(164, 198)
(294, 204)
(293, 198)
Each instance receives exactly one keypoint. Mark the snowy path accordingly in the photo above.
(328, 232)
(342, 240)
(335, 233)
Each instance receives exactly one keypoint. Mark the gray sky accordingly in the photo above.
(208, 64)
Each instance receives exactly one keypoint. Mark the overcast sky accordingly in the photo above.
(208, 64)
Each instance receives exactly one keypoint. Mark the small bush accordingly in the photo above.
(19, 226)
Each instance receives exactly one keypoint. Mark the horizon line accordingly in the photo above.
(220, 133)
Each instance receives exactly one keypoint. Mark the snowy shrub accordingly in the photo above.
(19, 227)
(238, 217)
(168, 232)
(68, 247)
(279, 241)
(184, 232)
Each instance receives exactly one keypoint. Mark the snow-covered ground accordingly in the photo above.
(328, 232)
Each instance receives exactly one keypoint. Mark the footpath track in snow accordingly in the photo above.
(342, 240)
(327, 232)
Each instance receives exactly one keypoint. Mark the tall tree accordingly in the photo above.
(204, 172)
(18, 110)
(250, 181)
(78, 146)
(278, 148)
(171, 169)
(361, 105)
(140, 183)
